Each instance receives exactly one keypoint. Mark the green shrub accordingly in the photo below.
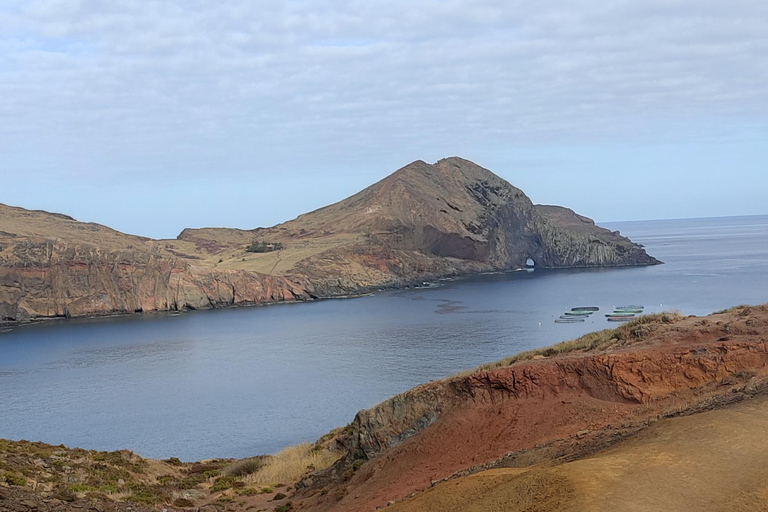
(247, 491)
(263, 246)
(144, 498)
(12, 478)
(183, 503)
(80, 488)
(223, 483)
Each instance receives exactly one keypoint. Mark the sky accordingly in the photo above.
(152, 116)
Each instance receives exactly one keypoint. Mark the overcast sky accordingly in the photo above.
(152, 116)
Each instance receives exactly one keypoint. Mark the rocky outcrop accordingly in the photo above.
(421, 223)
(572, 240)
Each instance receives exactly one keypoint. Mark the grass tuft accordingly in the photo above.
(734, 308)
(290, 464)
(244, 467)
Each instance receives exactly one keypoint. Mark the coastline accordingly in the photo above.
(425, 283)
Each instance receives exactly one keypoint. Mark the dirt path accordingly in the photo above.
(277, 262)
(712, 461)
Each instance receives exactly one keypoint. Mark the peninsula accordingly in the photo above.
(421, 223)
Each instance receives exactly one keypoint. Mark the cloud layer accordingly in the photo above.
(305, 91)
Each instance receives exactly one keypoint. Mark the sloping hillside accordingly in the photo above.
(553, 406)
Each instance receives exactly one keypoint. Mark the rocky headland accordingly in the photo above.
(423, 222)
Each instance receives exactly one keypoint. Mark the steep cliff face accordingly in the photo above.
(423, 222)
(53, 279)
(54, 266)
(572, 240)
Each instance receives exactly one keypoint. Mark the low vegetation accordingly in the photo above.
(263, 246)
(292, 463)
(78, 476)
(70, 474)
(11, 478)
(734, 308)
(244, 467)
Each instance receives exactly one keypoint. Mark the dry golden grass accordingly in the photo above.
(122, 495)
(629, 332)
(290, 464)
(732, 309)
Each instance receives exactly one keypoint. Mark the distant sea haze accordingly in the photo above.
(240, 382)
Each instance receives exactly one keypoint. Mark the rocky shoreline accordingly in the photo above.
(367, 291)
(121, 314)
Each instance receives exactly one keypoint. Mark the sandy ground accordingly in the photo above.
(712, 461)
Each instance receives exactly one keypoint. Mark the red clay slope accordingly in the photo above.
(438, 429)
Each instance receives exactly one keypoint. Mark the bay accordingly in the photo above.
(246, 381)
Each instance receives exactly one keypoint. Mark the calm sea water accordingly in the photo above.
(239, 382)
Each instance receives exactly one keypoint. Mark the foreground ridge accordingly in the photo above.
(665, 412)
(521, 416)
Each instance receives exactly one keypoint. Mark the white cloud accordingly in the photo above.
(186, 87)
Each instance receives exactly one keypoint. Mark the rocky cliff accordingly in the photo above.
(422, 222)
(54, 266)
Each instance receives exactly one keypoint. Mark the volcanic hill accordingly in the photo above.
(423, 222)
